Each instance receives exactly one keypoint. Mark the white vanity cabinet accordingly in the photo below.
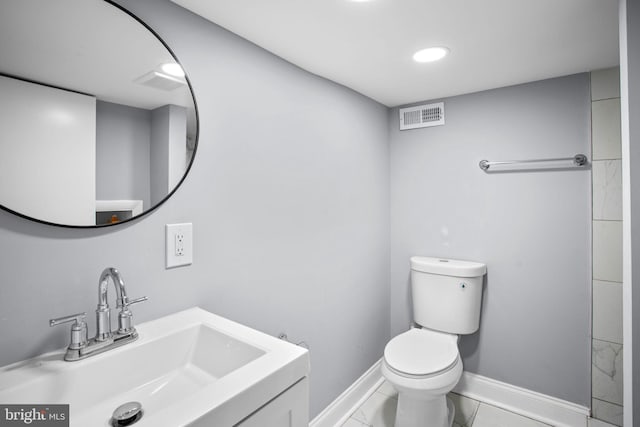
(288, 409)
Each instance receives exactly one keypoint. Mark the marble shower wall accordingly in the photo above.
(606, 385)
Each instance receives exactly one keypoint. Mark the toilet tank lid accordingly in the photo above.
(448, 267)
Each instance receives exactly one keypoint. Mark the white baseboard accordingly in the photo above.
(339, 411)
(547, 409)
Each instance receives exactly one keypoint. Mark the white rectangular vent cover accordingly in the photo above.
(160, 81)
(422, 116)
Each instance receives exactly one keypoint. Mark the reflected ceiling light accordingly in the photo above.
(431, 54)
(173, 69)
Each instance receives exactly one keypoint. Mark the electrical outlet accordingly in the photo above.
(179, 242)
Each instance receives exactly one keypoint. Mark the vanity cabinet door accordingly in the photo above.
(288, 409)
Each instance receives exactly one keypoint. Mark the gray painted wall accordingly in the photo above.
(160, 125)
(177, 141)
(122, 152)
(532, 229)
(289, 204)
(290, 207)
(168, 149)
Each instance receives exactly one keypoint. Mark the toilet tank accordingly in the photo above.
(447, 294)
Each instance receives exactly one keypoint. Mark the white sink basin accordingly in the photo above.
(189, 366)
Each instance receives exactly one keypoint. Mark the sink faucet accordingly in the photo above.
(105, 339)
(103, 312)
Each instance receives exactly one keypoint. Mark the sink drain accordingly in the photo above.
(126, 414)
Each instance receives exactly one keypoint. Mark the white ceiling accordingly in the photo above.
(367, 46)
(72, 44)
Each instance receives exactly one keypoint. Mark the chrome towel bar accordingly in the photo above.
(578, 160)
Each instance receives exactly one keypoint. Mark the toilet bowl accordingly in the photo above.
(423, 364)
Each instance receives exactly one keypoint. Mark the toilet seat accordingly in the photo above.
(421, 352)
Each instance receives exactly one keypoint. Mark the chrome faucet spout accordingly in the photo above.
(103, 285)
(103, 312)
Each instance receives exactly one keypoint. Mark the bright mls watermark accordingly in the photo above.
(34, 415)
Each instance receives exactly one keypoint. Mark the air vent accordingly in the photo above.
(422, 116)
(160, 81)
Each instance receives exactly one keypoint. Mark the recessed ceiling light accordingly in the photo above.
(431, 54)
(173, 69)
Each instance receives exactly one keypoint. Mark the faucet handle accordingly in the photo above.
(125, 324)
(78, 329)
(134, 301)
(78, 317)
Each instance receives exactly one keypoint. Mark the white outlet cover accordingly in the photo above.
(177, 257)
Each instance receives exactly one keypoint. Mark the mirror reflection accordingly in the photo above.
(98, 123)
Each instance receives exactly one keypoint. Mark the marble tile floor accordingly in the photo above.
(379, 410)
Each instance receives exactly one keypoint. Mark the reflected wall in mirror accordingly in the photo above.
(97, 123)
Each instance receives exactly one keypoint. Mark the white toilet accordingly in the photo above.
(423, 364)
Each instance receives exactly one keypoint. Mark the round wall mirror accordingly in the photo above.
(98, 123)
